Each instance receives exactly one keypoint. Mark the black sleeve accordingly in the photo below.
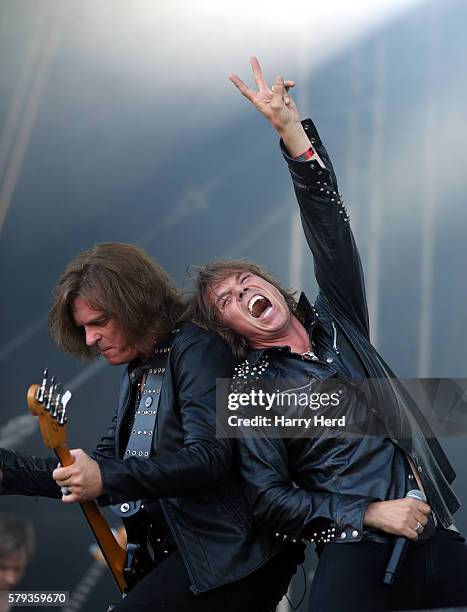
(338, 269)
(285, 509)
(27, 475)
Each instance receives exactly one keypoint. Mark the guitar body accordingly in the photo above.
(149, 541)
(139, 561)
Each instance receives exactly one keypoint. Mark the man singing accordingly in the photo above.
(356, 485)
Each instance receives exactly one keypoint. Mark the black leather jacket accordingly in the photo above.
(190, 472)
(337, 477)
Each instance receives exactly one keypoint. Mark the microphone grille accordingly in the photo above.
(417, 494)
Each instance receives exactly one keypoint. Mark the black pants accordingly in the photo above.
(167, 588)
(433, 574)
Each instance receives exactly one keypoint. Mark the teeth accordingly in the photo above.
(253, 301)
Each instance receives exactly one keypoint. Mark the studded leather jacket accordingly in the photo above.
(190, 471)
(319, 487)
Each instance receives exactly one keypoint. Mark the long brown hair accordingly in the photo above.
(125, 283)
(202, 311)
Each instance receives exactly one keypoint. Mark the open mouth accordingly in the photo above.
(258, 305)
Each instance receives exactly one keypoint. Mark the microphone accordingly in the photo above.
(400, 546)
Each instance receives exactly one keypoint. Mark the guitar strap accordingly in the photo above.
(144, 424)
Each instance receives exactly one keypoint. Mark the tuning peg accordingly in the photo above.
(42, 388)
(48, 406)
(55, 403)
(66, 397)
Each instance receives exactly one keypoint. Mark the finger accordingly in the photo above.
(418, 527)
(420, 506)
(410, 534)
(67, 482)
(72, 498)
(258, 73)
(61, 474)
(421, 518)
(425, 508)
(288, 84)
(242, 87)
(278, 92)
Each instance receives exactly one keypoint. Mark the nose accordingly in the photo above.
(92, 336)
(241, 292)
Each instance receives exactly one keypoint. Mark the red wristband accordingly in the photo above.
(308, 154)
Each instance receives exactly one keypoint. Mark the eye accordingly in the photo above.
(101, 322)
(244, 278)
(224, 301)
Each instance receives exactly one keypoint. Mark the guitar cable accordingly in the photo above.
(303, 594)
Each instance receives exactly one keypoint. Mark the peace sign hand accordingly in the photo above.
(274, 103)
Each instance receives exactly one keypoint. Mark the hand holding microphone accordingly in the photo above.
(401, 517)
(401, 544)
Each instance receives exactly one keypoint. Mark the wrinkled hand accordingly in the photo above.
(277, 106)
(398, 516)
(82, 478)
(274, 103)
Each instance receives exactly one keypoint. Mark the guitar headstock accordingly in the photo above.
(48, 402)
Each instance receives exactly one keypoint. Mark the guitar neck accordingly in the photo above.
(112, 552)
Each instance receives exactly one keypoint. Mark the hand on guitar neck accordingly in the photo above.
(82, 478)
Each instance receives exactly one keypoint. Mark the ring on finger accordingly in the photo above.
(65, 491)
(418, 528)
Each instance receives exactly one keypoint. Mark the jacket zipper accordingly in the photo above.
(428, 486)
(334, 338)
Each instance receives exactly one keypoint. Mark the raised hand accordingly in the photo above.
(276, 104)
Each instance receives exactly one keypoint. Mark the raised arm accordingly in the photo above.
(337, 263)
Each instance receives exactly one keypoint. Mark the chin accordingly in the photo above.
(115, 360)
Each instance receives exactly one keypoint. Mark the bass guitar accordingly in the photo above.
(49, 403)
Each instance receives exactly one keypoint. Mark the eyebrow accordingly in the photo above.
(94, 321)
(98, 319)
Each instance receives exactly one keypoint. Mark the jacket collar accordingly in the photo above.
(137, 368)
(307, 311)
